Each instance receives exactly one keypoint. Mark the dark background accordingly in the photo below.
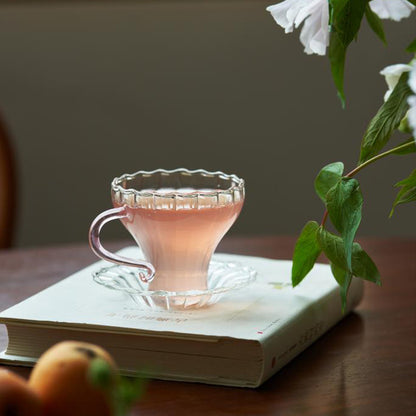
(91, 90)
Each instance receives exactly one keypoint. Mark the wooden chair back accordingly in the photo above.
(8, 191)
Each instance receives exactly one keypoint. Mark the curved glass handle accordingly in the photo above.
(100, 251)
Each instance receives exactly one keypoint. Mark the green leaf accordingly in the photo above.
(405, 196)
(327, 178)
(407, 193)
(386, 120)
(337, 53)
(362, 265)
(306, 252)
(412, 47)
(346, 20)
(344, 204)
(129, 391)
(375, 23)
(100, 374)
(404, 126)
(344, 279)
(348, 15)
(331, 15)
(407, 150)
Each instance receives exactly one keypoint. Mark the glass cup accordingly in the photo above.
(177, 218)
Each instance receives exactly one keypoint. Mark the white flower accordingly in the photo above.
(392, 74)
(411, 114)
(315, 15)
(392, 9)
(412, 76)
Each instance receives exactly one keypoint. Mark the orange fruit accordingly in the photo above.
(16, 397)
(62, 380)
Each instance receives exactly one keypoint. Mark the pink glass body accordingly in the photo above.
(180, 243)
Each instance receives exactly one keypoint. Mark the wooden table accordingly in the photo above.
(366, 365)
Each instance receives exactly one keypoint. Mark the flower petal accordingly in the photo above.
(315, 15)
(411, 114)
(309, 8)
(315, 32)
(284, 13)
(392, 9)
(393, 73)
(412, 77)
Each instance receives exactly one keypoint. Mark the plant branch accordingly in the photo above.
(379, 156)
(369, 162)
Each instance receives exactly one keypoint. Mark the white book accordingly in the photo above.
(240, 341)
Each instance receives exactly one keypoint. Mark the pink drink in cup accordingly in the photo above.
(177, 218)
(179, 243)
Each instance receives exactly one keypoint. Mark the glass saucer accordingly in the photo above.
(223, 277)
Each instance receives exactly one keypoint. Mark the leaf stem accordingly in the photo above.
(379, 156)
(369, 162)
(324, 218)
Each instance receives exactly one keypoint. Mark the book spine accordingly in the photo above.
(306, 328)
